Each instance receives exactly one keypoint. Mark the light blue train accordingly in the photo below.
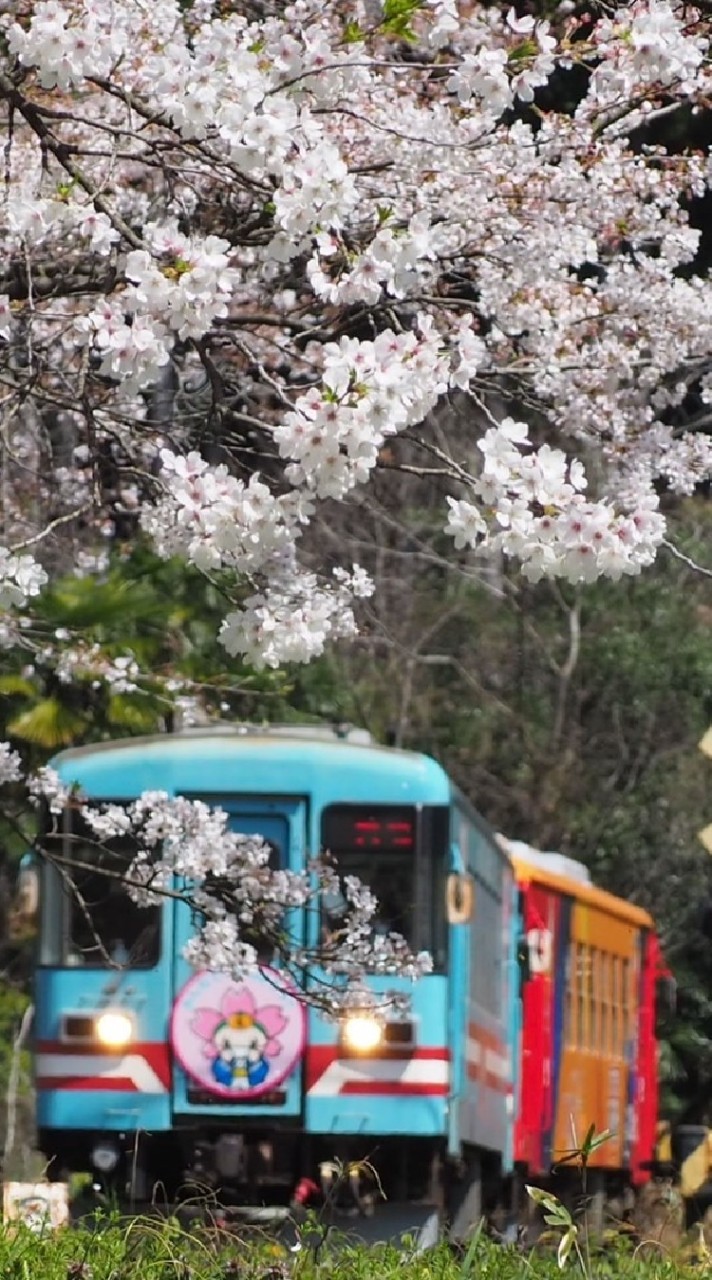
(149, 1073)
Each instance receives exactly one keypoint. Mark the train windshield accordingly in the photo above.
(88, 917)
(384, 847)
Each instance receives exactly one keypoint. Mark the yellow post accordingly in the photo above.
(705, 746)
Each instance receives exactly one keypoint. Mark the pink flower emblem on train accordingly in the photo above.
(238, 1039)
(241, 1037)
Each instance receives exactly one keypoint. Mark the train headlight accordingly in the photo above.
(362, 1033)
(114, 1029)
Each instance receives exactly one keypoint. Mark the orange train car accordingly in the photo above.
(588, 1050)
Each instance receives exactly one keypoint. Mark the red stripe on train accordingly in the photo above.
(119, 1084)
(156, 1053)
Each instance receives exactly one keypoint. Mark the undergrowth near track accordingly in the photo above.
(144, 1249)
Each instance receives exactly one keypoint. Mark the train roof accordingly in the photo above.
(248, 759)
(565, 875)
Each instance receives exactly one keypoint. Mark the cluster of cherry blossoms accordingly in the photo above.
(292, 619)
(178, 288)
(20, 578)
(219, 523)
(216, 520)
(10, 764)
(369, 390)
(542, 517)
(394, 261)
(649, 45)
(89, 662)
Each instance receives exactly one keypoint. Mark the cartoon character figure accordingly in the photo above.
(240, 1038)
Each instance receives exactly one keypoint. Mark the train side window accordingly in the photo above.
(593, 999)
(616, 1006)
(90, 920)
(574, 994)
(605, 971)
(569, 996)
(626, 1001)
(621, 1020)
(486, 964)
(582, 992)
(105, 928)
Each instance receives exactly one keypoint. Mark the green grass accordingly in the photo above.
(147, 1249)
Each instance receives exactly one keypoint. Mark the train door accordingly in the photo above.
(239, 1044)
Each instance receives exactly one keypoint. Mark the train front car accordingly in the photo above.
(588, 1049)
(148, 1072)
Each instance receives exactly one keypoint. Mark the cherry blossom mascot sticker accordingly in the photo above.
(238, 1038)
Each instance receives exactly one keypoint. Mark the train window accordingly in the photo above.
(100, 925)
(352, 835)
(586, 980)
(578, 992)
(616, 1006)
(605, 973)
(486, 970)
(582, 995)
(591, 968)
(623, 1013)
(106, 928)
(626, 1002)
(391, 883)
(569, 997)
(224, 889)
(590, 996)
(597, 1009)
(401, 853)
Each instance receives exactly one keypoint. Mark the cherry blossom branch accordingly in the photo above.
(685, 559)
(50, 528)
(62, 152)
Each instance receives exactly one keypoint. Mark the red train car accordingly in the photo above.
(588, 1051)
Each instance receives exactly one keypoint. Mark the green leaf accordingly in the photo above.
(396, 18)
(352, 33)
(561, 1218)
(400, 9)
(544, 1198)
(527, 49)
(48, 724)
(604, 1136)
(13, 686)
(593, 1141)
(84, 602)
(468, 1262)
(566, 1244)
(132, 711)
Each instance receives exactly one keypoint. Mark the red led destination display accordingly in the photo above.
(356, 827)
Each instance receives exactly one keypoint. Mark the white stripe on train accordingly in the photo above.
(61, 1066)
(422, 1071)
